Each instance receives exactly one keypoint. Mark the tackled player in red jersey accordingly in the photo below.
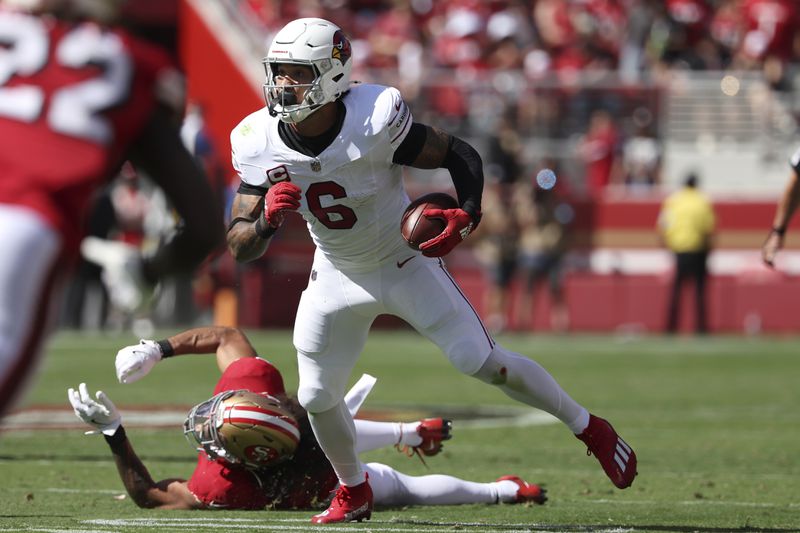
(256, 446)
(78, 97)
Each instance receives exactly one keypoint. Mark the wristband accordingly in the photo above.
(264, 230)
(166, 348)
(779, 230)
(117, 439)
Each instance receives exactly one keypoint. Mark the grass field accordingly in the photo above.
(715, 423)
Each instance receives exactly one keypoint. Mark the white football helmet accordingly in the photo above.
(243, 427)
(318, 44)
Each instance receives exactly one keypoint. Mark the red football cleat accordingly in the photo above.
(615, 456)
(348, 505)
(527, 492)
(433, 431)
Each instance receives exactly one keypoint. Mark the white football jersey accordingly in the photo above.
(353, 195)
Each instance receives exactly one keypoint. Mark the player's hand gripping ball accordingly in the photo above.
(417, 228)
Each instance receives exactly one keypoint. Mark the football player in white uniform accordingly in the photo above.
(333, 153)
(787, 205)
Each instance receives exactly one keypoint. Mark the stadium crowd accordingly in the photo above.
(553, 68)
(561, 36)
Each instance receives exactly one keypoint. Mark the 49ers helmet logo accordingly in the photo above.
(261, 454)
(341, 47)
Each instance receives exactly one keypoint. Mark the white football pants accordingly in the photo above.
(390, 487)
(28, 265)
(333, 319)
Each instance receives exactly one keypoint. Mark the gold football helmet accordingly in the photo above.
(243, 427)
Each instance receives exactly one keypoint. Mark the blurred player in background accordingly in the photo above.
(787, 205)
(334, 153)
(78, 97)
(258, 451)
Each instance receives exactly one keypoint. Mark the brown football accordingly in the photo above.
(416, 228)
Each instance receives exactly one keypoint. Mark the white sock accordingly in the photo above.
(372, 435)
(335, 433)
(507, 490)
(528, 382)
(390, 487)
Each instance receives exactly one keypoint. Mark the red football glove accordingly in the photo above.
(459, 225)
(281, 197)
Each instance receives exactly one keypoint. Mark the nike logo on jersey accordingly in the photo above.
(401, 264)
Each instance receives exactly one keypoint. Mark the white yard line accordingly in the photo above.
(284, 525)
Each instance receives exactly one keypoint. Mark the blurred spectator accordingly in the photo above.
(543, 219)
(769, 29)
(498, 232)
(642, 16)
(497, 250)
(690, 18)
(131, 207)
(725, 29)
(686, 225)
(641, 154)
(599, 151)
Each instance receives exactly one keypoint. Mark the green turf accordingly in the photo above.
(714, 422)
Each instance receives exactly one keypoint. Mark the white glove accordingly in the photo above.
(135, 362)
(122, 272)
(100, 414)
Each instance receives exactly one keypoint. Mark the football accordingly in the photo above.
(417, 228)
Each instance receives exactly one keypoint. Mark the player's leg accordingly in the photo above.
(421, 437)
(333, 319)
(673, 307)
(373, 435)
(700, 274)
(463, 338)
(453, 324)
(326, 355)
(27, 271)
(391, 487)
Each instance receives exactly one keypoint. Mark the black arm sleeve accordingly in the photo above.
(411, 146)
(252, 190)
(462, 161)
(466, 168)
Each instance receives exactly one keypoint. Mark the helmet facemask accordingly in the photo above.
(282, 99)
(200, 427)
